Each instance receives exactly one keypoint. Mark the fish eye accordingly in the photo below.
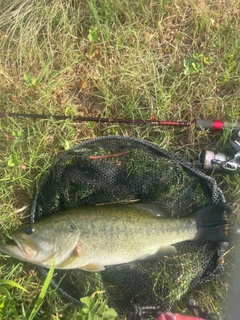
(29, 230)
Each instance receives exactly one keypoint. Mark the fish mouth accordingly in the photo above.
(27, 251)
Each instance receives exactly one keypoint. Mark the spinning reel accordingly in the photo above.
(209, 159)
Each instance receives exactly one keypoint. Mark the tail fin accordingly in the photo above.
(213, 222)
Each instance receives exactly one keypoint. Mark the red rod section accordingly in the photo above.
(151, 122)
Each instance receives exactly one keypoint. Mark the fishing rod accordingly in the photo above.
(215, 125)
(207, 159)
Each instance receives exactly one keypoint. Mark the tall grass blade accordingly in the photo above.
(11, 283)
(42, 293)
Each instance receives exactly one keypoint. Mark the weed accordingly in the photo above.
(93, 34)
(95, 308)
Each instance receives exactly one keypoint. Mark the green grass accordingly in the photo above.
(176, 60)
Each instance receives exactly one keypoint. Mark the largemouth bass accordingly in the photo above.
(92, 237)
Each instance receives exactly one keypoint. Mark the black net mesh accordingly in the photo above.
(122, 169)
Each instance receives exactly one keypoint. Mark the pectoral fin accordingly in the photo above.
(93, 267)
(76, 253)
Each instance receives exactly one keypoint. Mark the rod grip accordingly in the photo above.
(215, 125)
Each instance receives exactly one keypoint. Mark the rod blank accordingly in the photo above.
(215, 125)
